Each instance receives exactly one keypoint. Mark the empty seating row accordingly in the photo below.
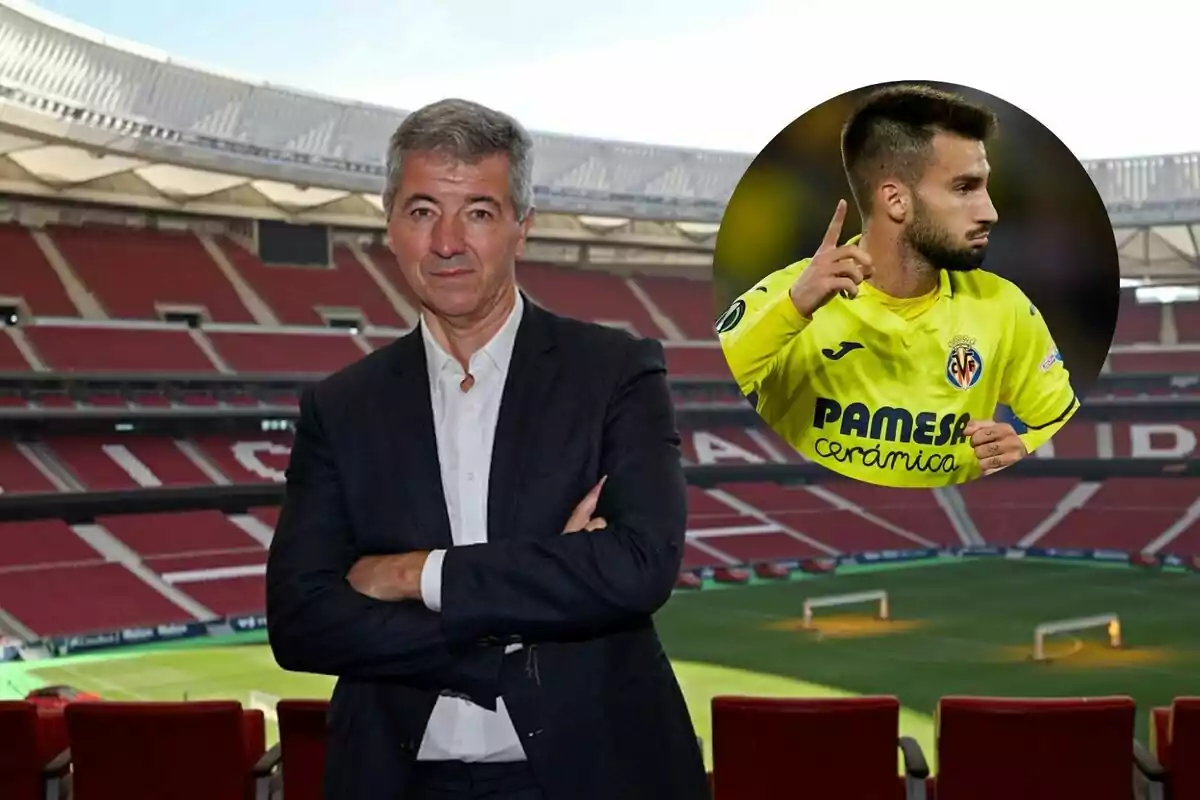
(130, 273)
(160, 348)
(762, 749)
(130, 459)
(136, 274)
(158, 568)
(985, 748)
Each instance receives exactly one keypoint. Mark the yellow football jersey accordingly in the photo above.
(881, 389)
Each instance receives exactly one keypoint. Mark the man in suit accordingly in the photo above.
(482, 517)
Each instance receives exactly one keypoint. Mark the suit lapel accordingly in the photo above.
(524, 405)
(411, 448)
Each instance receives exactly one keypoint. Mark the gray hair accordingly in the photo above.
(466, 132)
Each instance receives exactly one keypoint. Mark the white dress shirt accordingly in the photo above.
(465, 424)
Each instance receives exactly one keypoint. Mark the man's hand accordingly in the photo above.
(581, 518)
(832, 270)
(394, 577)
(996, 444)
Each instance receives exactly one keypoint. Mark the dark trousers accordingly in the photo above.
(456, 780)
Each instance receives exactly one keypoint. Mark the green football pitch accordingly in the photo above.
(955, 627)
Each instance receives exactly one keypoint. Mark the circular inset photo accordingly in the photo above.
(915, 284)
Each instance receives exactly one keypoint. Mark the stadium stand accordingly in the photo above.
(27, 279)
(140, 274)
(151, 355)
(138, 569)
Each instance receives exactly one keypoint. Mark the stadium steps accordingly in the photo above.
(837, 501)
(1126, 514)
(301, 295)
(26, 279)
(114, 550)
(107, 463)
(69, 345)
(772, 444)
(588, 294)
(197, 456)
(13, 628)
(86, 303)
(671, 331)
(688, 302)
(26, 349)
(46, 462)
(1073, 499)
(383, 259)
(258, 308)
(254, 528)
(18, 472)
(951, 501)
(1165, 539)
(141, 474)
(405, 309)
(206, 347)
(714, 555)
(746, 509)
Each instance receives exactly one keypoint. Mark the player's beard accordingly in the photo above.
(937, 247)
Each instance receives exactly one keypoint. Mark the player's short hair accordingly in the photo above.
(467, 132)
(891, 131)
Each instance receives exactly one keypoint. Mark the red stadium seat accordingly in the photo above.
(206, 750)
(772, 748)
(33, 751)
(1175, 741)
(1044, 748)
(302, 747)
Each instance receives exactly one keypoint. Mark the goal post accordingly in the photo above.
(879, 597)
(1110, 622)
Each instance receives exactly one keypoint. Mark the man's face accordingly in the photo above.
(952, 212)
(455, 233)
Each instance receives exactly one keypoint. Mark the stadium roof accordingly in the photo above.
(86, 117)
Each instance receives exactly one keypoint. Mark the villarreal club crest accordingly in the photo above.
(965, 365)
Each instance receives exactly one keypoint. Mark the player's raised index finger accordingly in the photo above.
(834, 231)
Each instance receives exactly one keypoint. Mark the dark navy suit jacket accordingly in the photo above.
(592, 694)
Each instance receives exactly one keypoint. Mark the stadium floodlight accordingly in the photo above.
(853, 598)
(1110, 622)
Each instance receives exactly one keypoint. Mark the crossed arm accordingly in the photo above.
(538, 589)
(318, 623)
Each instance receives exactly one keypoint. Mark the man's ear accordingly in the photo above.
(895, 200)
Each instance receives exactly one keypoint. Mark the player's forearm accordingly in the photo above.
(752, 346)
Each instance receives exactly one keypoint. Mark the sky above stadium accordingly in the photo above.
(1111, 80)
